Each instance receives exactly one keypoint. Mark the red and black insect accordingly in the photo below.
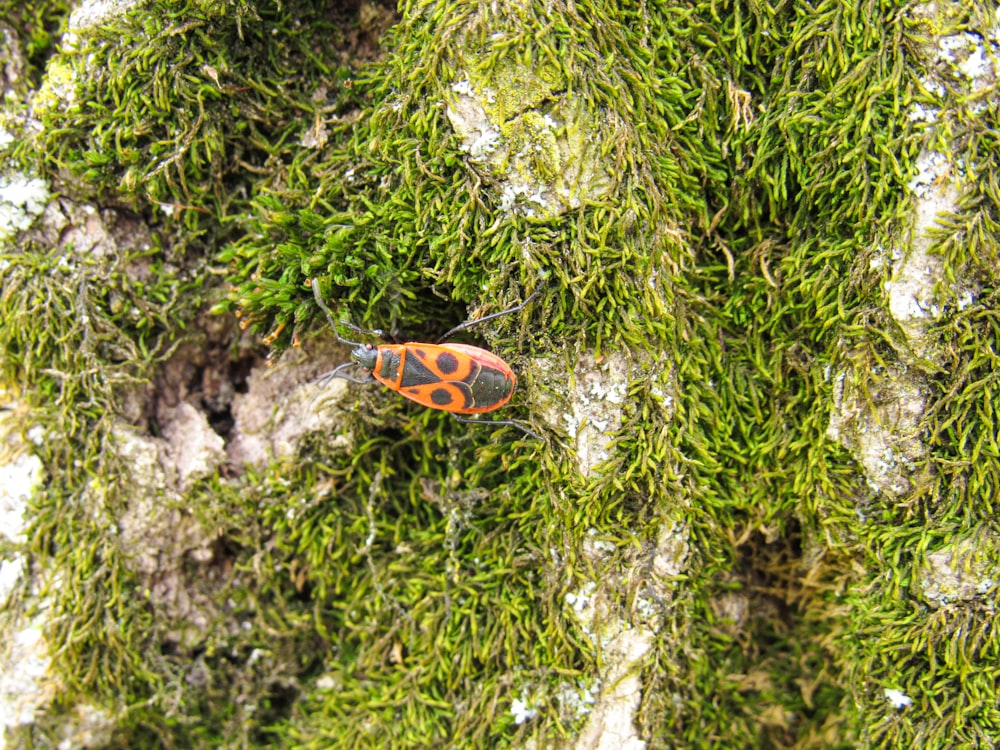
(457, 378)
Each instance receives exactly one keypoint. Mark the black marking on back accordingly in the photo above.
(441, 397)
(415, 372)
(446, 362)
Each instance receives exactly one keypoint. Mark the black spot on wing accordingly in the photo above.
(447, 362)
(441, 397)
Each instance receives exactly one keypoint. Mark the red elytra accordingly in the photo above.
(457, 378)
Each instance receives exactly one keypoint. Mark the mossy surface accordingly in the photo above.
(409, 583)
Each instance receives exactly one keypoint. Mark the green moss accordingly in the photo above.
(34, 27)
(175, 105)
(407, 588)
(77, 335)
(384, 237)
(403, 583)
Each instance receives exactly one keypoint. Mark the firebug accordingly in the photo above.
(457, 378)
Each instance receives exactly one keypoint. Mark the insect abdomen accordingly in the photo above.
(492, 386)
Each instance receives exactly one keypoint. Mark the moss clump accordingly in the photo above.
(372, 220)
(33, 28)
(81, 338)
(406, 583)
(421, 585)
(96, 301)
(175, 106)
(78, 335)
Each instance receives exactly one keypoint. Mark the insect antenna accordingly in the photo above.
(322, 381)
(335, 325)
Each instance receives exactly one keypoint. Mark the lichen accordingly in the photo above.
(537, 144)
(963, 571)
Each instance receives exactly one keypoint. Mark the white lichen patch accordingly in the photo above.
(879, 423)
(26, 687)
(592, 410)
(669, 560)
(961, 571)
(578, 698)
(539, 147)
(156, 536)
(611, 698)
(21, 473)
(897, 698)
(913, 292)
(522, 710)
(468, 116)
(967, 54)
(91, 13)
(25, 684)
(11, 571)
(285, 401)
(88, 726)
(22, 200)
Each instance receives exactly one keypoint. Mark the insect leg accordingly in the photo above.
(500, 423)
(326, 377)
(492, 316)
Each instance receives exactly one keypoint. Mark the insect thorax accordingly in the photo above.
(365, 356)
